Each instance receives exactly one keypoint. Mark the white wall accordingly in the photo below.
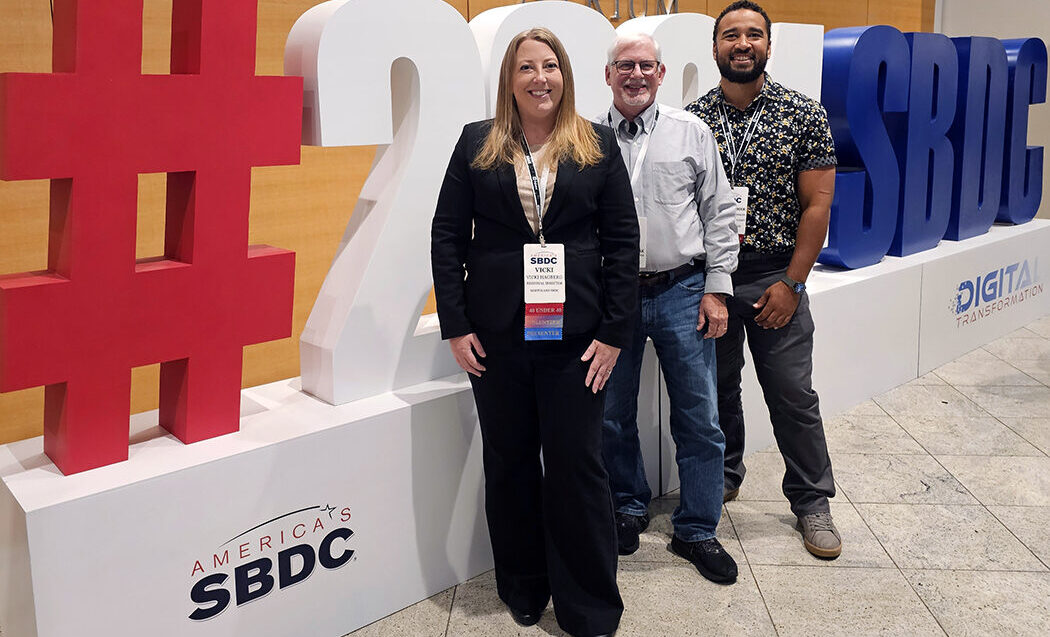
(1006, 19)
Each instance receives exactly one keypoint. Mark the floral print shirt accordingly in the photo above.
(790, 136)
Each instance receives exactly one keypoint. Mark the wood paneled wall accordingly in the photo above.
(302, 208)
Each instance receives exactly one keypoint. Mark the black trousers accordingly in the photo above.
(552, 526)
(784, 365)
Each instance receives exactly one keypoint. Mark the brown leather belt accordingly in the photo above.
(666, 276)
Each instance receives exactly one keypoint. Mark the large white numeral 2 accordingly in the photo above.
(406, 77)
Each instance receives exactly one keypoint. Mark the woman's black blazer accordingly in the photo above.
(480, 227)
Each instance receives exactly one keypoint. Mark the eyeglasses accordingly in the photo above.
(626, 67)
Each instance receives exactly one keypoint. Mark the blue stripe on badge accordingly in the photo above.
(542, 333)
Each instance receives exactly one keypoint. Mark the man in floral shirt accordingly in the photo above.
(777, 149)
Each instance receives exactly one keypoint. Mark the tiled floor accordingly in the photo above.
(943, 504)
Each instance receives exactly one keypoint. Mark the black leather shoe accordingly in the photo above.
(525, 618)
(628, 528)
(709, 558)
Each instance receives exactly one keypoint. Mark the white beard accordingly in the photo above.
(637, 100)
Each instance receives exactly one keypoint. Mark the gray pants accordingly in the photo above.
(784, 364)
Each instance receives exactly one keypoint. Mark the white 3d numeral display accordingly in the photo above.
(408, 77)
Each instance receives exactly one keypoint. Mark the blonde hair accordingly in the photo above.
(573, 136)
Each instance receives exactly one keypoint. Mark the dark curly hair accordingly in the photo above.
(738, 5)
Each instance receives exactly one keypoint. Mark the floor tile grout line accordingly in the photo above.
(999, 420)
(751, 569)
(1026, 374)
(897, 566)
(950, 504)
(867, 567)
(1008, 362)
(974, 496)
(976, 505)
(1036, 335)
(1038, 383)
(1004, 456)
(1023, 543)
(916, 440)
(451, 605)
(881, 408)
(985, 348)
(863, 567)
(956, 478)
(937, 460)
(838, 487)
(954, 455)
(1019, 434)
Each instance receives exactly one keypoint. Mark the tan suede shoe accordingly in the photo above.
(820, 535)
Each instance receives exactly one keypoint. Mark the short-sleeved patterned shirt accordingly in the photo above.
(791, 136)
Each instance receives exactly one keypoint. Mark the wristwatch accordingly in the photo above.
(797, 287)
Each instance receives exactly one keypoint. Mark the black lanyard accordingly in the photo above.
(537, 193)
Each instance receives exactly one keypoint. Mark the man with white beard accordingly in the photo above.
(689, 249)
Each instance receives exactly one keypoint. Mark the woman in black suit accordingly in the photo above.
(552, 526)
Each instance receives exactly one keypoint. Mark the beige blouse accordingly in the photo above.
(528, 201)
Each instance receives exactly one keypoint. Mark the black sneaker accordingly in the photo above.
(709, 558)
(628, 528)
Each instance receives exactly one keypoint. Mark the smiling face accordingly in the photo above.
(536, 82)
(633, 92)
(741, 46)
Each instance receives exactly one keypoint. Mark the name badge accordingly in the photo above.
(544, 291)
(641, 243)
(740, 197)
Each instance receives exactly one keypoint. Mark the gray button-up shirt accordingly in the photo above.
(682, 192)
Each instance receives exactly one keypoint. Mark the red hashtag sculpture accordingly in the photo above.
(91, 127)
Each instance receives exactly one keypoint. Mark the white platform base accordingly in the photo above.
(118, 550)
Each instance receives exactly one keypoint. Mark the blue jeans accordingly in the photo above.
(667, 313)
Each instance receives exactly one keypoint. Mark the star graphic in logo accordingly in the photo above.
(330, 509)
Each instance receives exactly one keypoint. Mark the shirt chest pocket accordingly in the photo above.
(673, 182)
